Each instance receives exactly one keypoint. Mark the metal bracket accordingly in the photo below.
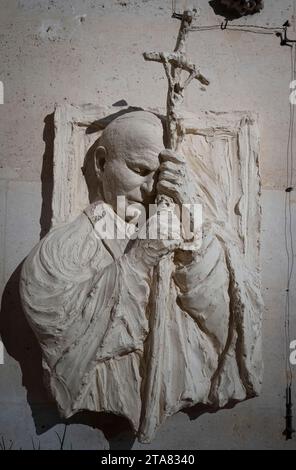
(285, 41)
(288, 432)
(224, 25)
(178, 16)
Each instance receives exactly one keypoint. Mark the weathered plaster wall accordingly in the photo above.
(90, 51)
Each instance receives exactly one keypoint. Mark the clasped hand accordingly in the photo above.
(166, 230)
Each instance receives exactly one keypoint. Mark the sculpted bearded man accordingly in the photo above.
(90, 300)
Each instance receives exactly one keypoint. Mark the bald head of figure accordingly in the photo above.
(126, 158)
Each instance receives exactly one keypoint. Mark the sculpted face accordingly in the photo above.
(127, 160)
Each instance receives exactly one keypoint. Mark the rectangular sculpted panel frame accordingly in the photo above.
(227, 144)
(127, 326)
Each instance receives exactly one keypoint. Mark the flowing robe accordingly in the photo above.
(93, 313)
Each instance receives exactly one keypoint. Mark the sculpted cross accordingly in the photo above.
(174, 63)
(145, 327)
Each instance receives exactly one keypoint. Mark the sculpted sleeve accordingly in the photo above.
(84, 305)
(223, 297)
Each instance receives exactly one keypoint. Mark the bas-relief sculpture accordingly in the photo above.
(91, 301)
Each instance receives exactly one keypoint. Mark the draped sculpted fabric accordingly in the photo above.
(91, 303)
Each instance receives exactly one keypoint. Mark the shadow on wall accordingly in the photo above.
(47, 175)
(20, 342)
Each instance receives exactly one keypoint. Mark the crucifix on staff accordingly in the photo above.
(174, 64)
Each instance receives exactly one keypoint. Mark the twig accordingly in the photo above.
(177, 60)
(33, 444)
(62, 440)
(3, 445)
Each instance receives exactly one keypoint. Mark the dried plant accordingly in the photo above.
(4, 445)
(62, 438)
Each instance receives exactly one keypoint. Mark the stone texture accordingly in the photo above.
(35, 68)
(131, 334)
(3, 190)
(18, 239)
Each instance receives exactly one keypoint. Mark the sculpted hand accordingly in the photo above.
(175, 182)
(159, 237)
(173, 177)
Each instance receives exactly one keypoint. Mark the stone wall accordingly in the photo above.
(55, 51)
